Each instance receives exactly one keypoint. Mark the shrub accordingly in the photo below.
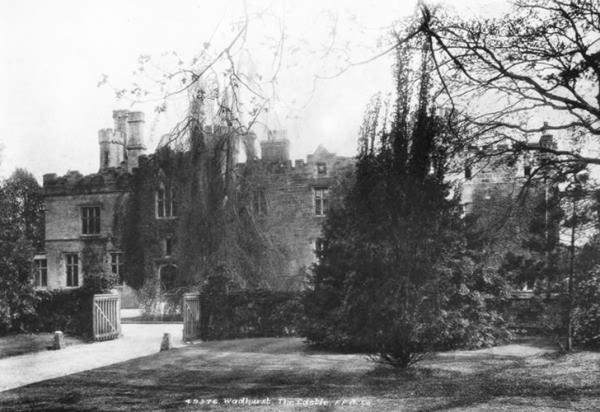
(17, 296)
(69, 311)
(21, 231)
(149, 298)
(98, 277)
(586, 313)
(249, 313)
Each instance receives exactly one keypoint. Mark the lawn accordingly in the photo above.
(282, 375)
(14, 345)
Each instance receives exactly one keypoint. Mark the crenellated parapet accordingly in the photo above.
(111, 136)
(74, 183)
(315, 171)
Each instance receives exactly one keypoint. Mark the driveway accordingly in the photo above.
(138, 340)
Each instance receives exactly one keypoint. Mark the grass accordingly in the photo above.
(15, 345)
(282, 372)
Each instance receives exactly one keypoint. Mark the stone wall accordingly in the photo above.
(273, 200)
(290, 217)
(64, 198)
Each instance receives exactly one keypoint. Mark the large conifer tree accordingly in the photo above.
(394, 279)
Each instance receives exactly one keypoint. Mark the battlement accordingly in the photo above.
(277, 135)
(74, 183)
(313, 167)
(111, 136)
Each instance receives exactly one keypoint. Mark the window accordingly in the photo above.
(116, 265)
(166, 205)
(259, 203)
(321, 169)
(168, 278)
(320, 246)
(468, 172)
(90, 220)
(160, 202)
(527, 171)
(72, 269)
(41, 275)
(321, 201)
(168, 247)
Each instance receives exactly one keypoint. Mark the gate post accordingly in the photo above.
(190, 308)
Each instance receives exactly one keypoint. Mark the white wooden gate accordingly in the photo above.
(107, 316)
(191, 316)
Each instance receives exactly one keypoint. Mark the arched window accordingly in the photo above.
(168, 277)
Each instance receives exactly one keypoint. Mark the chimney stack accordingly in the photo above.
(120, 119)
(134, 139)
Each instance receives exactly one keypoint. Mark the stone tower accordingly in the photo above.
(276, 148)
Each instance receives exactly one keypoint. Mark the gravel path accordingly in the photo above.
(138, 340)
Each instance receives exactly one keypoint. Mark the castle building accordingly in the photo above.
(89, 218)
(81, 211)
(131, 216)
(494, 173)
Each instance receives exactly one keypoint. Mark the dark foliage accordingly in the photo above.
(586, 310)
(530, 253)
(17, 296)
(21, 232)
(586, 299)
(69, 311)
(538, 315)
(396, 279)
(247, 313)
(96, 270)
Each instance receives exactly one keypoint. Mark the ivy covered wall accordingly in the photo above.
(194, 214)
(189, 212)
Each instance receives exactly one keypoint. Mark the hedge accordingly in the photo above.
(249, 313)
(69, 311)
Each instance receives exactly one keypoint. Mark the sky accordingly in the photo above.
(54, 54)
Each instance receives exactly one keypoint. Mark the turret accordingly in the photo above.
(546, 142)
(112, 151)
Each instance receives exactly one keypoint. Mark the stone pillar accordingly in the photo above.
(135, 139)
(59, 341)
(120, 119)
(166, 342)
